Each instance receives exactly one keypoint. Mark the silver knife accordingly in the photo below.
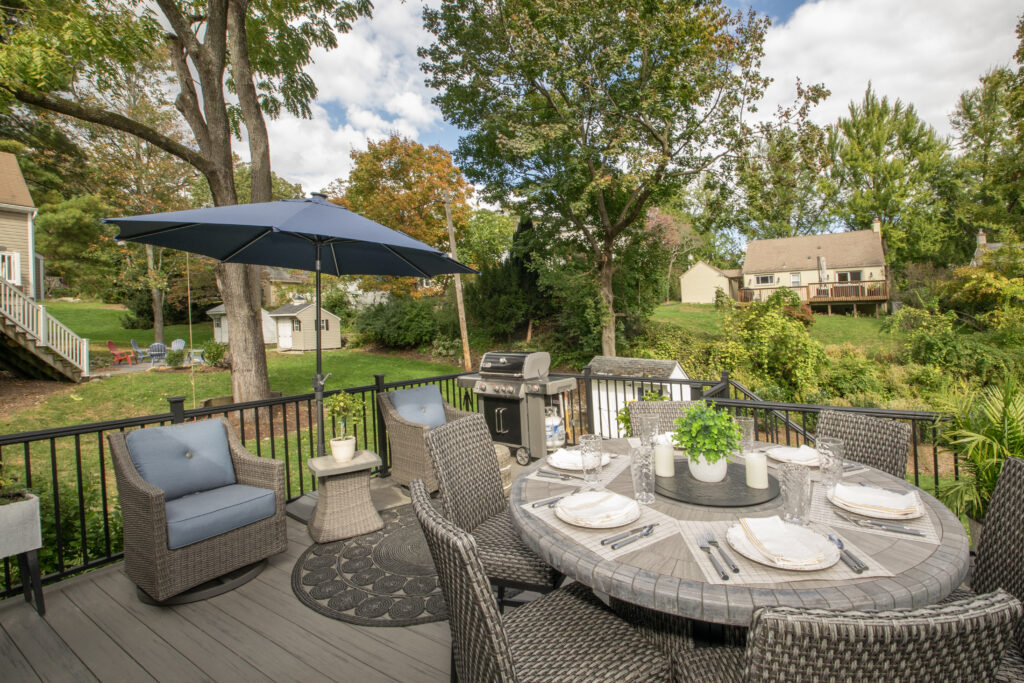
(558, 475)
(619, 537)
(548, 501)
(635, 537)
(896, 528)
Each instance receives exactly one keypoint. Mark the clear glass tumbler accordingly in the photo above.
(642, 469)
(830, 455)
(747, 437)
(795, 485)
(645, 427)
(591, 451)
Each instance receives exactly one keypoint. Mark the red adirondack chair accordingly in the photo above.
(120, 355)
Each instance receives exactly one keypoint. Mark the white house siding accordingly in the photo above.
(698, 284)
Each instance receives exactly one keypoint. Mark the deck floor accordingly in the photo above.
(95, 628)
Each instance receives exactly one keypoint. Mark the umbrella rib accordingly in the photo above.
(408, 262)
(334, 256)
(155, 231)
(248, 244)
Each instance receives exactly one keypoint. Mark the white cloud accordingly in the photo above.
(924, 52)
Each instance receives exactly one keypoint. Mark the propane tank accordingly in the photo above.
(554, 431)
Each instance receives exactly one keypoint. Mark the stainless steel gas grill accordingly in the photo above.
(512, 390)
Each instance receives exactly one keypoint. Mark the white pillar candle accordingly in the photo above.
(757, 470)
(664, 460)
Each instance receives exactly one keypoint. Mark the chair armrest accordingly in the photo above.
(253, 470)
(452, 414)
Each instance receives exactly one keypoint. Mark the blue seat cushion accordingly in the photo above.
(422, 405)
(206, 514)
(183, 459)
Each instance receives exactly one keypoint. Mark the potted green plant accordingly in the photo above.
(986, 427)
(709, 436)
(347, 409)
(19, 518)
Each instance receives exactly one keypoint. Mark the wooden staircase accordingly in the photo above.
(33, 344)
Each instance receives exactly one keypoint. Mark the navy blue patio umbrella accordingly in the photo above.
(306, 234)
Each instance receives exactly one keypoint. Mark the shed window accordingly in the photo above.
(323, 324)
(765, 279)
(848, 276)
(794, 279)
(297, 325)
(216, 322)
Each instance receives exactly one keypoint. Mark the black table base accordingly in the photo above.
(731, 492)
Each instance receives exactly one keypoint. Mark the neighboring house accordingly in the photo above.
(984, 247)
(608, 396)
(20, 265)
(837, 270)
(296, 327)
(220, 325)
(274, 279)
(698, 284)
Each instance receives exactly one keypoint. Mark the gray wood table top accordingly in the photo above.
(666, 575)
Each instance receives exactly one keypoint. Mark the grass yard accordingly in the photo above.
(694, 317)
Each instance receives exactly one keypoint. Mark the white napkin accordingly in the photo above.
(664, 439)
(565, 459)
(876, 500)
(596, 508)
(772, 538)
(804, 455)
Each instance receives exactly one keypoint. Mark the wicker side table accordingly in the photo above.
(343, 507)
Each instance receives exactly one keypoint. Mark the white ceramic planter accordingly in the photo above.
(19, 523)
(343, 448)
(708, 473)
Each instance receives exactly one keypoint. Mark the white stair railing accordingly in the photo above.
(47, 332)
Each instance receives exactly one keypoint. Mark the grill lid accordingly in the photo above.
(512, 364)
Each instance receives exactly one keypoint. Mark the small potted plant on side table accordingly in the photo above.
(20, 533)
(347, 409)
(709, 436)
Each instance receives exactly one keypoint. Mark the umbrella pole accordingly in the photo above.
(319, 379)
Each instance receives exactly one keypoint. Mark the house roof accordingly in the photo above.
(219, 310)
(634, 367)
(13, 189)
(724, 272)
(290, 310)
(841, 250)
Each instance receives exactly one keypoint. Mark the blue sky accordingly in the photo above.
(925, 52)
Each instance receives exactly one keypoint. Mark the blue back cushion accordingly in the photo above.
(183, 459)
(422, 405)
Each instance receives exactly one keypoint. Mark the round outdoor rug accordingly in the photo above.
(381, 579)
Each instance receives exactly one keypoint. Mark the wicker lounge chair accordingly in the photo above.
(566, 635)
(665, 411)
(469, 480)
(409, 457)
(882, 444)
(958, 641)
(164, 559)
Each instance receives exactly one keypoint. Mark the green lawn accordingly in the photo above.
(694, 317)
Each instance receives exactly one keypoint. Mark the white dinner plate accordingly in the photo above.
(785, 454)
(879, 514)
(597, 510)
(572, 461)
(737, 538)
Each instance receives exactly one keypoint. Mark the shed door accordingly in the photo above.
(284, 334)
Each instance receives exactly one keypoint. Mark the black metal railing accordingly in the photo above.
(70, 468)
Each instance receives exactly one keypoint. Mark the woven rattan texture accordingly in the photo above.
(567, 635)
(665, 411)
(409, 457)
(469, 480)
(164, 573)
(882, 444)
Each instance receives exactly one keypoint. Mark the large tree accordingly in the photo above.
(233, 61)
(584, 114)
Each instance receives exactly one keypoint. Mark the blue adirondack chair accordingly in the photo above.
(157, 352)
(139, 353)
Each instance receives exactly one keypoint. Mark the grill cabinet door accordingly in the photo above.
(502, 416)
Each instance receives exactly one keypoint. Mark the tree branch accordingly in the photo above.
(180, 26)
(187, 101)
(115, 121)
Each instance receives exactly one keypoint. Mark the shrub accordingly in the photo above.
(399, 323)
(447, 347)
(215, 353)
(337, 301)
(175, 359)
(849, 373)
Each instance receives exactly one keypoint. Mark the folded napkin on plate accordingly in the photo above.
(773, 538)
(876, 500)
(595, 507)
(565, 453)
(804, 455)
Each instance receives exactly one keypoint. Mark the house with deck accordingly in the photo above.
(835, 272)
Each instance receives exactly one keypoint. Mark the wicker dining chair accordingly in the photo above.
(665, 411)
(876, 442)
(469, 481)
(409, 457)
(957, 641)
(566, 635)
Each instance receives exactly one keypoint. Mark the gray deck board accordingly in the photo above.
(95, 628)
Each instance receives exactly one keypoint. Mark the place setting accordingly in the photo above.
(873, 509)
(588, 463)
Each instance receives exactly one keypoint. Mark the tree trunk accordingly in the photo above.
(668, 292)
(605, 271)
(156, 296)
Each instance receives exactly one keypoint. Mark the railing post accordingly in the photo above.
(725, 382)
(177, 408)
(85, 357)
(588, 385)
(44, 336)
(382, 431)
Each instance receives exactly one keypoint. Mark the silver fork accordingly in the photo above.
(728, 560)
(705, 545)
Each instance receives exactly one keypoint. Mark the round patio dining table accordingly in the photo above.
(668, 572)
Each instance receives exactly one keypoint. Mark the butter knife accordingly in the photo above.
(558, 475)
(619, 537)
(885, 526)
(635, 537)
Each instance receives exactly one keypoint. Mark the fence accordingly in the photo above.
(70, 468)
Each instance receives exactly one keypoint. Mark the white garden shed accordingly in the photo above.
(220, 325)
(608, 396)
(296, 327)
